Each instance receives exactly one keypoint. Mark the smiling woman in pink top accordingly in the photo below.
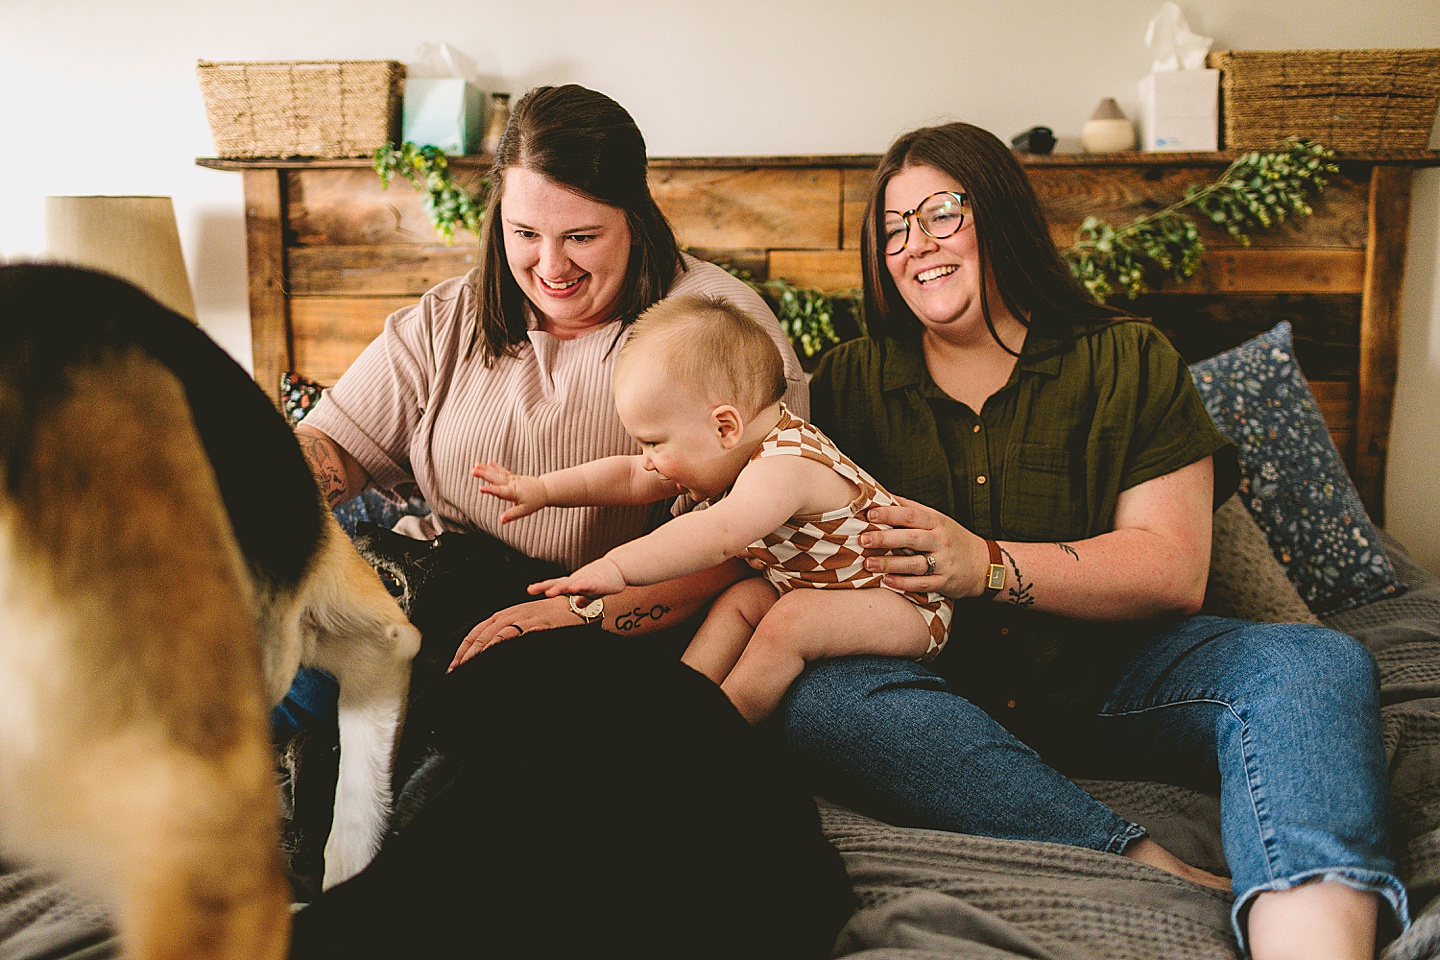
(513, 361)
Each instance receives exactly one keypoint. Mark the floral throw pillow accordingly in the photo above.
(1292, 478)
(298, 394)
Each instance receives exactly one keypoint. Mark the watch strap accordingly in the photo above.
(995, 574)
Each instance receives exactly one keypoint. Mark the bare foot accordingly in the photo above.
(1148, 851)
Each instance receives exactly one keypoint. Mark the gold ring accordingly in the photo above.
(929, 564)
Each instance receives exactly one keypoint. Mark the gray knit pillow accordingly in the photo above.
(1246, 581)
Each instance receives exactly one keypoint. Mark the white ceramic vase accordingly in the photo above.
(1107, 130)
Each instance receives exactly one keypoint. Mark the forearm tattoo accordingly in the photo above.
(1070, 550)
(324, 463)
(626, 622)
(1020, 593)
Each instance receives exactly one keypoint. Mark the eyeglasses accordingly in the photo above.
(940, 215)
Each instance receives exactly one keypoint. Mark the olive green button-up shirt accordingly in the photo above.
(1045, 459)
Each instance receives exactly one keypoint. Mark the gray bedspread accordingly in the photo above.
(927, 894)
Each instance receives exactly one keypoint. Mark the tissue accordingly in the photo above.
(1179, 98)
(1173, 45)
(442, 106)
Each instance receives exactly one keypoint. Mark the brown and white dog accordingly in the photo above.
(166, 565)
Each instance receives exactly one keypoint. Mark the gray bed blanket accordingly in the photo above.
(928, 894)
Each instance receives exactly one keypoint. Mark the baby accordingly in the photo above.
(698, 386)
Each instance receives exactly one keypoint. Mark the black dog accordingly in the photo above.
(574, 794)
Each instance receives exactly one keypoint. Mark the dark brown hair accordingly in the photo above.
(1013, 238)
(585, 142)
(712, 346)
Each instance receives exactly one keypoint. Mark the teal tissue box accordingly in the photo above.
(442, 112)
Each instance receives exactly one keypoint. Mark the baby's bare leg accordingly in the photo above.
(809, 624)
(728, 626)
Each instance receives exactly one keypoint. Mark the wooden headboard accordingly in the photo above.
(331, 254)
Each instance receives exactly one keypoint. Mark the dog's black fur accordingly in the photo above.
(263, 478)
(572, 793)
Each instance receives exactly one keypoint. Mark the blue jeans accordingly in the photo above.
(1285, 718)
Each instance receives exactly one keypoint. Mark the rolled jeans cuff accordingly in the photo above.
(1123, 838)
(1386, 885)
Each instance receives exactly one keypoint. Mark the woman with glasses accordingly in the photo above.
(1058, 473)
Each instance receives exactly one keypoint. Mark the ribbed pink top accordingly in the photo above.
(414, 407)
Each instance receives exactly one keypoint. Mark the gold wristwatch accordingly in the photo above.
(591, 612)
(994, 574)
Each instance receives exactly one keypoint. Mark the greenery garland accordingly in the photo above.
(1256, 191)
(806, 315)
(448, 204)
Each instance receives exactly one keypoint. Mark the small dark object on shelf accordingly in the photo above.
(1034, 140)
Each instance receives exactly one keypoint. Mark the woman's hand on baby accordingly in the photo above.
(529, 617)
(597, 579)
(526, 492)
(921, 534)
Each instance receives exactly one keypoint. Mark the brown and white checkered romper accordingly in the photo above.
(824, 550)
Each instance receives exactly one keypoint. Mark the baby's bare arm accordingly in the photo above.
(766, 494)
(610, 481)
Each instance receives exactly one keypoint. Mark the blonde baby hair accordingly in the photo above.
(711, 344)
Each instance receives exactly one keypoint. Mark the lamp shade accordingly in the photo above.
(134, 238)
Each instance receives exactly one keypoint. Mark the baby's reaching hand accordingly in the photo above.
(597, 579)
(527, 493)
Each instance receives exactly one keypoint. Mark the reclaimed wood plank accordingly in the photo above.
(265, 255)
(1326, 327)
(330, 332)
(1276, 270)
(1379, 336)
(855, 197)
(751, 260)
(349, 206)
(1336, 400)
(384, 270)
(750, 207)
(828, 270)
(1218, 158)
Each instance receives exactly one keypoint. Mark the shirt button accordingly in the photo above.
(980, 479)
(1010, 704)
(1004, 631)
(975, 429)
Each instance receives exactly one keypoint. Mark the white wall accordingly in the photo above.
(102, 98)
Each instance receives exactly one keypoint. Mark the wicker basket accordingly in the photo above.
(284, 108)
(1348, 100)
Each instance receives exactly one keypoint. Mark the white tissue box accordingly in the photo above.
(1180, 110)
(442, 112)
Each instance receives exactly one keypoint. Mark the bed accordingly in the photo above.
(1312, 311)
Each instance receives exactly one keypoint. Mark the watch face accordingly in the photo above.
(590, 610)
